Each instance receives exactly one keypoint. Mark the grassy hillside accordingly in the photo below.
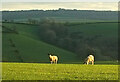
(103, 37)
(24, 43)
(26, 46)
(99, 39)
(105, 29)
(35, 71)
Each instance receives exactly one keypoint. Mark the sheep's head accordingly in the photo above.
(85, 61)
(49, 54)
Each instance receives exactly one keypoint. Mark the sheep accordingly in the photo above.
(89, 59)
(53, 59)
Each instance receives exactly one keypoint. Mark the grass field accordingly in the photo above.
(64, 19)
(42, 71)
(105, 29)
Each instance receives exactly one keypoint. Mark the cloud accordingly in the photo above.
(56, 5)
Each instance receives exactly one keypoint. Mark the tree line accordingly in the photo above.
(65, 13)
(58, 34)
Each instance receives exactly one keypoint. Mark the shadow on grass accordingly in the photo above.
(96, 63)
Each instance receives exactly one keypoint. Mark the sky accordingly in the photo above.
(11, 6)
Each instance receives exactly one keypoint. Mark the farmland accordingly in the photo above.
(72, 35)
(31, 62)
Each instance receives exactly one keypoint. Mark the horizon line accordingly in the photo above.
(59, 9)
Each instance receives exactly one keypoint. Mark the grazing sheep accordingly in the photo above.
(89, 59)
(53, 58)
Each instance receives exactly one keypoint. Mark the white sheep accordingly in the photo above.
(53, 59)
(89, 59)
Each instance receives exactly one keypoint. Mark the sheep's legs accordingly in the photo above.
(87, 62)
(51, 62)
(92, 62)
(56, 62)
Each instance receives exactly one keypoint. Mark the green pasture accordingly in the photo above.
(42, 71)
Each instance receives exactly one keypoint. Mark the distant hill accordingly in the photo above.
(62, 15)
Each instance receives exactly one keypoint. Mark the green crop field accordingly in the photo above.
(37, 71)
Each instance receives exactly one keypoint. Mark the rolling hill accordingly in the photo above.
(27, 47)
(23, 42)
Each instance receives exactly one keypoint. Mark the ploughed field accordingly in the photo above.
(43, 71)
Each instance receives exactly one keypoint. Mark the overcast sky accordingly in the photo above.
(48, 6)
